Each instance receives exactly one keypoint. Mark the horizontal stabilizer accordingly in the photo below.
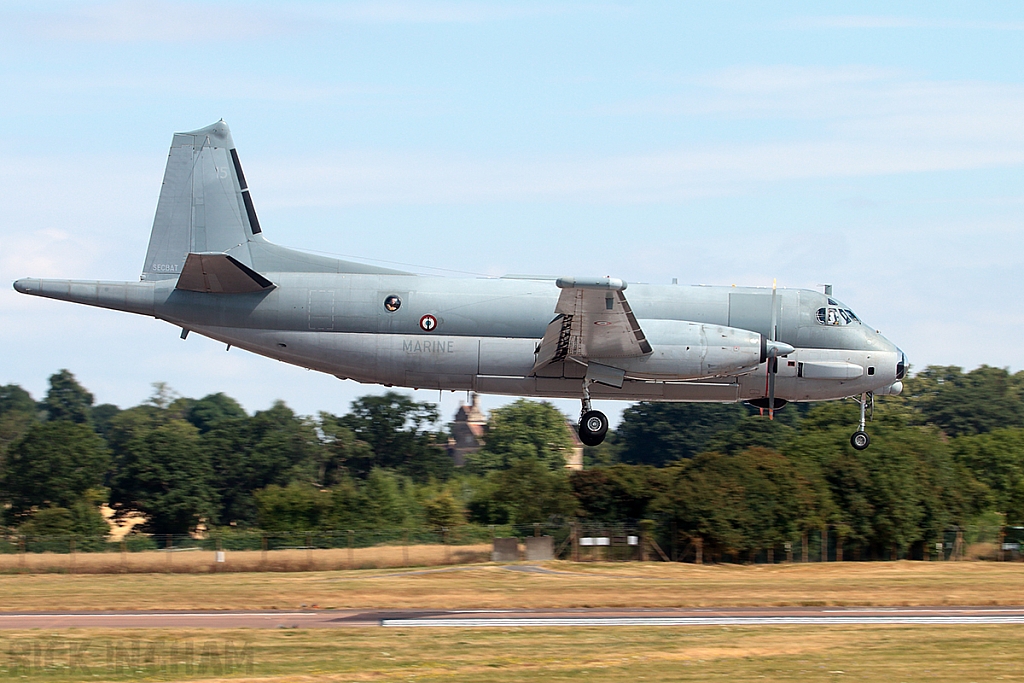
(220, 274)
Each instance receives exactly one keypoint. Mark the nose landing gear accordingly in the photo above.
(593, 423)
(860, 439)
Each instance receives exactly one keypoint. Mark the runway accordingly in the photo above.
(682, 617)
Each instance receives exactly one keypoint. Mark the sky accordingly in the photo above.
(872, 146)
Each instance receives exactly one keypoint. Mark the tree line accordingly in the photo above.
(949, 451)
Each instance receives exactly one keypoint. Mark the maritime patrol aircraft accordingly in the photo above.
(209, 270)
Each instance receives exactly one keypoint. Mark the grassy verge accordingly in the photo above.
(572, 585)
(481, 655)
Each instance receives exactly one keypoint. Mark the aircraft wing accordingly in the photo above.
(592, 320)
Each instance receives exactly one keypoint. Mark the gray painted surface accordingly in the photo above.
(706, 343)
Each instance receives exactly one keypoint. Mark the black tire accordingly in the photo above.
(593, 427)
(860, 440)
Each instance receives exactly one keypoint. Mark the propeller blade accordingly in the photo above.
(773, 363)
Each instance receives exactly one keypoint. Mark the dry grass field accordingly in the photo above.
(566, 585)
(194, 561)
(831, 653)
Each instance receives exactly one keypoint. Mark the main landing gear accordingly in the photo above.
(860, 439)
(593, 423)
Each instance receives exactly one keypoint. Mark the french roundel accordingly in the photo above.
(428, 323)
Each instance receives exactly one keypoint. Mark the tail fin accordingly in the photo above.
(204, 204)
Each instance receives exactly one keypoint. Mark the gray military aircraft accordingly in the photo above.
(209, 270)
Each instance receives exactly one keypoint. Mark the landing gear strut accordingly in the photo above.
(860, 439)
(593, 423)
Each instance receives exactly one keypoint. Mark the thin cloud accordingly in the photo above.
(890, 22)
(192, 22)
(133, 22)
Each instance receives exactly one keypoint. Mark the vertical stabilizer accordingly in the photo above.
(204, 204)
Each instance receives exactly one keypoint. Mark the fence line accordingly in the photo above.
(253, 550)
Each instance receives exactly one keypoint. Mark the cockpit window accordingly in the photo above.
(835, 314)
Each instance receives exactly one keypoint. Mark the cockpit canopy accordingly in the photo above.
(835, 314)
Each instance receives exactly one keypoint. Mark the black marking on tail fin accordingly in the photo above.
(250, 210)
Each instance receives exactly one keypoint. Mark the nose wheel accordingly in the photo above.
(593, 423)
(860, 439)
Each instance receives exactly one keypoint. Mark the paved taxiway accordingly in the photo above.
(738, 616)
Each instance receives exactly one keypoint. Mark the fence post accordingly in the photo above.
(351, 553)
(698, 546)
(170, 544)
(771, 554)
(839, 547)
(71, 547)
(405, 547)
(1000, 541)
(309, 551)
(263, 556)
(21, 548)
(672, 550)
(804, 554)
(788, 547)
(124, 556)
(574, 531)
(447, 548)
(824, 544)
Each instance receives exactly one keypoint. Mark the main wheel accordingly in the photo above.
(593, 427)
(860, 440)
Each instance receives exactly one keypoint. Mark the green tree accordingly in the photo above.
(67, 399)
(520, 431)
(52, 465)
(905, 488)
(83, 520)
(386, 499)
(654, 433)
(742, 503)
(753, 431)
(397, 429)
(161, 470)
(996, 460)
(17, 413)
(617, 493)
(273, 446)
(296, 507)
(102, 418)
(342, 453)
(214, 409)
(959, 403)
(443, 510)
(527, 492)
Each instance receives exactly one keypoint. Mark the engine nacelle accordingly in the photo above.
(687, 350)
